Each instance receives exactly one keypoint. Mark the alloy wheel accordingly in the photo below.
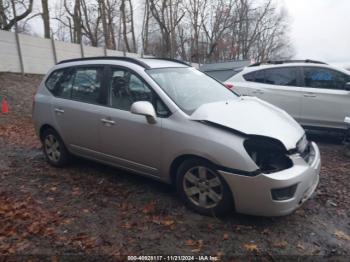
(203, 187)
(52, 148)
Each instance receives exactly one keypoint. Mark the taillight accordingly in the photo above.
(229, 86)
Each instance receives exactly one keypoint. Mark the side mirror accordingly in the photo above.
(146, 109)
(347, 86)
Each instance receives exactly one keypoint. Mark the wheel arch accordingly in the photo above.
(45, 127)
(179, 160)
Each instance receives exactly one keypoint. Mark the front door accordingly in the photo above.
(128, 140)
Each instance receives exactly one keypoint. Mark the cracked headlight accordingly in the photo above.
(268, 154)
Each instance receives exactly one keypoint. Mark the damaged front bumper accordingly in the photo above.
(257, 195)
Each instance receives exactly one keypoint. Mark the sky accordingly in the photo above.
(320, 29)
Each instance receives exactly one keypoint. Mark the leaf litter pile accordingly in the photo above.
(91, 209)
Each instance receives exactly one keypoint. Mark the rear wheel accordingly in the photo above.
(54, 149)
(202, 188)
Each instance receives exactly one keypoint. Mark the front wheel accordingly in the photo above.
(202, 188)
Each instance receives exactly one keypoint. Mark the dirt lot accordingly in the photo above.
(90, 209)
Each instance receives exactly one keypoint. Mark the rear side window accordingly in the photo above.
(318, 77)
(54, 79)
(59, 83)
(87, 85)
(281, 76)
(256, 76)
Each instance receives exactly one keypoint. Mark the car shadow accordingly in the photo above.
(326, 137)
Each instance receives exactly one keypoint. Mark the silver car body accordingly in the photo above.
(310, 106)
(215, 132)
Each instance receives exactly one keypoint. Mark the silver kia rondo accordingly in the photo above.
(164, 119)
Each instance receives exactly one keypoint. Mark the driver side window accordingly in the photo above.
(127, 88)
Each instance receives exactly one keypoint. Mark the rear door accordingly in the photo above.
(325, 100)
(77, 105)
(278, 86)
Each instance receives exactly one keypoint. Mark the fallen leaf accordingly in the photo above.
(340, 234)
(251, 247)
(34, 228)
(281, 244)
(127, 225)
(190, 242)
(300, 246)
(226, 237)
(168, 222)
(150, 208)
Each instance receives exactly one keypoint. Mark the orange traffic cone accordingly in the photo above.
(4, 106)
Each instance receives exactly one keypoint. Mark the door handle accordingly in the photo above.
(59, 111)
(258, 92)
(309, 95)
(107, 121)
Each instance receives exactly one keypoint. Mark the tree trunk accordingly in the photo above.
(77, 22)
(46, 18)
(125, 35)
(132, 26)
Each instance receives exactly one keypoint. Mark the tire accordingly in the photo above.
(54, 149)
(197, 193)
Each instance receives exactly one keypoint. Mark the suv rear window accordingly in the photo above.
(281, 76)
(274, 76)
(256, 76)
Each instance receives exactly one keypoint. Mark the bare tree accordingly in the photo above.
(195, 9)
(46, 18)
(145, 27)
(13, 11)
(192, 30)
(216, 21)
(127, 15)
(168, 14)
(90, 22)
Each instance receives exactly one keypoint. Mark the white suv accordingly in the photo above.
(317, 95)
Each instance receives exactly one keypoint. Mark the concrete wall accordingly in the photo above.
(37, 55)
(9, 58)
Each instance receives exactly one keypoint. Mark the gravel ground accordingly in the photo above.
(89, 209)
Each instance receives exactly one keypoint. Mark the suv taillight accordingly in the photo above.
(229, 86)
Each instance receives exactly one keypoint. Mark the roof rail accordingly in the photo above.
(169, 59)
(120, 58)
(278, 62)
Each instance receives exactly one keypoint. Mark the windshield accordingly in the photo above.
(190, 88)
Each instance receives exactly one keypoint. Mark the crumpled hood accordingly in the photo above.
(252, 116)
